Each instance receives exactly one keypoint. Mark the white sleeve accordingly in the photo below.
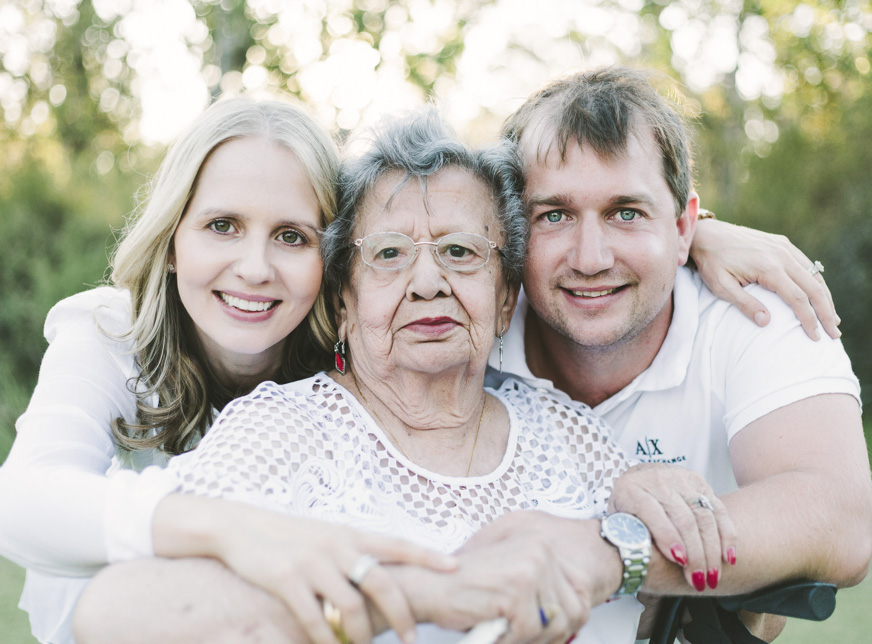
(54, 492)
(774, 366)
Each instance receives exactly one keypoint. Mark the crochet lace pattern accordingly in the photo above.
(310, 449)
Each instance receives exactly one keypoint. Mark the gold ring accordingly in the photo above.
(548, 612)
(334, 619)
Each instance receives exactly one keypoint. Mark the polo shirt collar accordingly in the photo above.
(670, 366)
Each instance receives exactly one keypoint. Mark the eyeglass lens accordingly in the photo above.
(394, 251)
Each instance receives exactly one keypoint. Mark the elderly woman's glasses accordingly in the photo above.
(462, 252)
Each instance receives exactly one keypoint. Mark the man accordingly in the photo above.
(610, 316)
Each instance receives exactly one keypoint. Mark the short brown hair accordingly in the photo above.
(601, 108)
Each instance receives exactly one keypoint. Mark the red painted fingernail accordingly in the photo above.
(731, 555)
(698, 580)
(678, 554)
(712, 578)
(571, 638)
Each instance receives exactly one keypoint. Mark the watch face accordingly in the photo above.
(625, 529)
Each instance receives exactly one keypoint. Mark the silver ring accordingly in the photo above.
(361, 568)
(816, 268)
(703, 502)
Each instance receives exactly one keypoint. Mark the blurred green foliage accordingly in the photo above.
(818, 192)
(56, 234)
(66, 184)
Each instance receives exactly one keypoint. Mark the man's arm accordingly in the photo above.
(804, 507)
(805, 488)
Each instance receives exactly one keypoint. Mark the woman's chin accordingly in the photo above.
(438, 360)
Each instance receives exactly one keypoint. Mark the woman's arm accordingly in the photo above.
(730, 257)
(251, 457)
(182, 600)
(53, 486)
(179, 601)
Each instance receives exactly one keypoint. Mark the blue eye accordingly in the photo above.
(627, 215)
(554, 216)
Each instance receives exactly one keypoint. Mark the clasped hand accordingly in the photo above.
(542, 573)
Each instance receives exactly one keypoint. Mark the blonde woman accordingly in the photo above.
(216, 288)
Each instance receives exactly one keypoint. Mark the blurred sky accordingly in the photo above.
(511, 47)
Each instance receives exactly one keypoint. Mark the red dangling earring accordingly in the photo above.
(339, 358)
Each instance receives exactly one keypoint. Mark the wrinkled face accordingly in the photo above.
(425, 317)
(246, 251)
(605, 243)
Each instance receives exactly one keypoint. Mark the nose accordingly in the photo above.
(253, 262)
(427, 276)
(591, 251)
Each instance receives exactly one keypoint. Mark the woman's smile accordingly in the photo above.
(247, 308)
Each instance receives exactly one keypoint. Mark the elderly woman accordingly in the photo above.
(403, 439)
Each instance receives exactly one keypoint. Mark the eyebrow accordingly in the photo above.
(210, 212)
(562, 199)
(622, 200)
(558, 199)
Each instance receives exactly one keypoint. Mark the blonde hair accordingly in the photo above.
(173, 366)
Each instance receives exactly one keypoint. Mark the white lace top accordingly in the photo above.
(310, 449)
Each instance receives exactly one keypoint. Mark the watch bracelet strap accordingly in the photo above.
(635, 564)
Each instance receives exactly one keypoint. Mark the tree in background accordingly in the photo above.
(92, 90)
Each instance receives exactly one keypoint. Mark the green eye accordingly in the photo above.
(291, 237)
(627, 215)
(554, 216)
(221, 226)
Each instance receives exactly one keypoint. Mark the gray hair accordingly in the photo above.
(420, 144)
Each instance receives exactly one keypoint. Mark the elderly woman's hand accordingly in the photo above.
(570, 569)
(729, 257)
(303, 562)
(517, 577)
(688, 523)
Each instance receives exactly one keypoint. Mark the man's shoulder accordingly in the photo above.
(714, 311)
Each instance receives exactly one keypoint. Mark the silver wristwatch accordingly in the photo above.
(630, 536)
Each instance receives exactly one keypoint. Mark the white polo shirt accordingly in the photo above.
(716, 372)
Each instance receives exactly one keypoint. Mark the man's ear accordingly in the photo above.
(686, 225)
(508, 306)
